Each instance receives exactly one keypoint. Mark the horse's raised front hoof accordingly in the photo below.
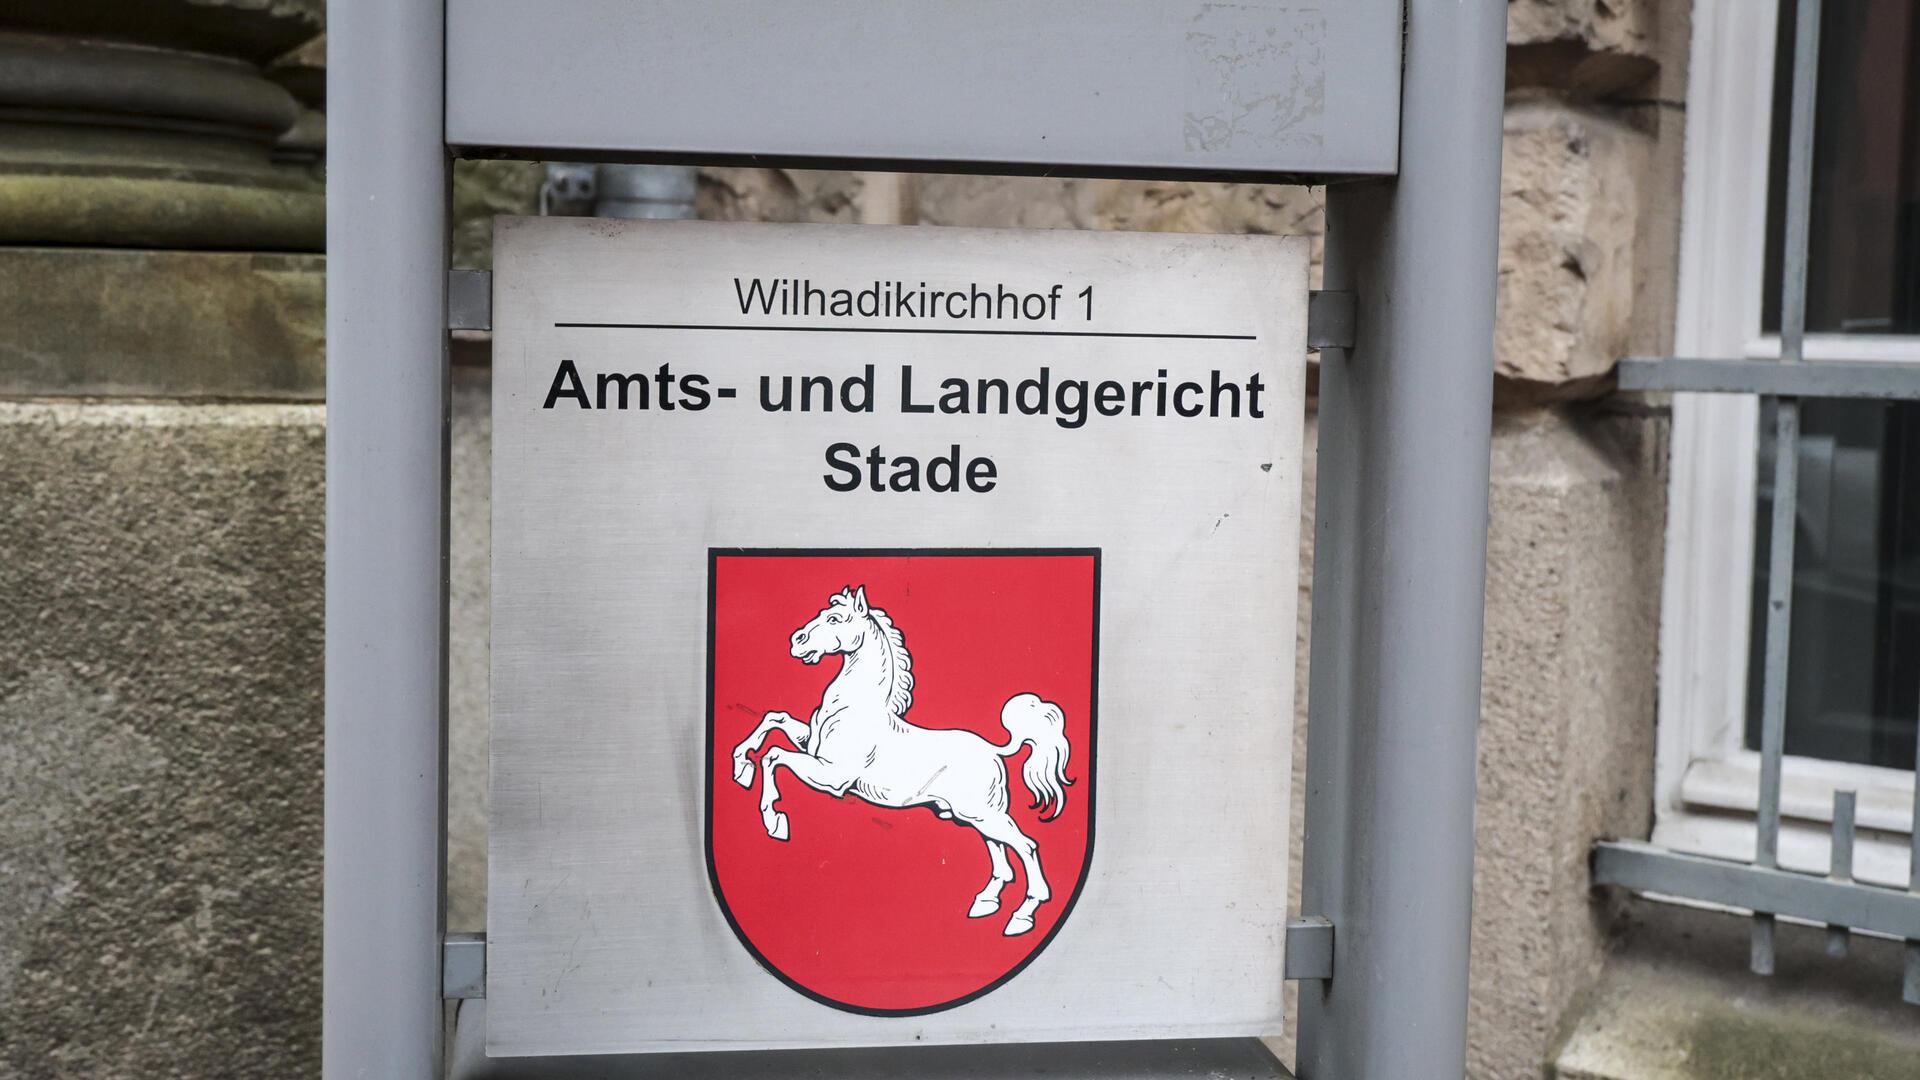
(743, 773)
(983, 907)
(777, 827)
(1018, 925)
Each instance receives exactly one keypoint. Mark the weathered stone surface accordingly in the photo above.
(1677, 1003)
(469, 633)
(1573, 187)
(779, 195)
(117, 144)
(482, 189)
(1567, 711)
(1623, 26)
(1600, 49)
(160, 740)
(256, 30)
(104, 321)
(1146, 206)
(303, 71)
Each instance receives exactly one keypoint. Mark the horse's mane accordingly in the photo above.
(900, 696)
(899, 662)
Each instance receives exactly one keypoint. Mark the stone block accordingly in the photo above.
(779, 195)
(1619, 26)
(160, 739)
(1567, 712)
(481, 190)
(1599, 48)
(1138, 205)
(1574, 184)
(254, 30)
(1676, 1002)
(104, 321)
(469, 637)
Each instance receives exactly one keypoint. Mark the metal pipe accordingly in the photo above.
(1400, 569)
(1786, 463)
(653, 192)
(386, 539)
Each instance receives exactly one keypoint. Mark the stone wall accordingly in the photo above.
(162, 460)
(160, 723)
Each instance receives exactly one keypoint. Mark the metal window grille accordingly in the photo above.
(1763, 887)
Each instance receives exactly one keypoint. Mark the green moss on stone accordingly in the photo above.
(482, 189)
(1730, 1045)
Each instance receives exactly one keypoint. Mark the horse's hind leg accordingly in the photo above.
(1001, 828)
(988, 901)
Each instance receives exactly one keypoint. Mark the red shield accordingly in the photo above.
(926, 721)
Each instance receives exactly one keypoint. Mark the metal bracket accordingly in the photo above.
(469, 300)
(1310, 948)
(1331, 315)
(463, 965)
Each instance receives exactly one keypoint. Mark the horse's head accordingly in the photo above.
(841, 627)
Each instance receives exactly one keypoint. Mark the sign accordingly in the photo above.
(1257, 87)
(844, 579)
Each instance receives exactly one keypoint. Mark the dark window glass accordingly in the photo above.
(1853, 671)
(1864, 268)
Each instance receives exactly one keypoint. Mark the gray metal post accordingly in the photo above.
(1400, 568)
(386, 540)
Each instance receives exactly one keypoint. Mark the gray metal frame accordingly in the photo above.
(1008, 86)
(1400, 570)
(1400, 534)
(1762, 887)
(385, 876)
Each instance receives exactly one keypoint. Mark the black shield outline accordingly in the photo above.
(1092, 761)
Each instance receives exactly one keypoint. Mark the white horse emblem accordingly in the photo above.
(859, 740)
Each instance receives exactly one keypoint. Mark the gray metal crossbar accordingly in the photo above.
(1836, 379)
(1836, 902)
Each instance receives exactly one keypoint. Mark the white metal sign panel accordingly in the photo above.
(1259, 86)
(844, 579)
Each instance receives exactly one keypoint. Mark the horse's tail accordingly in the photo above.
(1041, 725)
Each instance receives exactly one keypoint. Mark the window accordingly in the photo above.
(1854, 668)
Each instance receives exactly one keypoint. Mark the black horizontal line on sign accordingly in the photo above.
(898, 330)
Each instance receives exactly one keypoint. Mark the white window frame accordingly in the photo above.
(1705, 780)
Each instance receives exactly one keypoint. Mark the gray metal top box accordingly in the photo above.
(1097, 87)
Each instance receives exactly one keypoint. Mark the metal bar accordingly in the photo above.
(1773, 697)
(1330, 319)
(1910, 983)
(469, 300)
(1160, 1059)
(1643, 867)
(1806, 81)
(1779, 615)
(463, 967)
(1840, 863)
(386, 540)
(1309, 948)
(1770, 377)
(1400, 570)
(1786, 462)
